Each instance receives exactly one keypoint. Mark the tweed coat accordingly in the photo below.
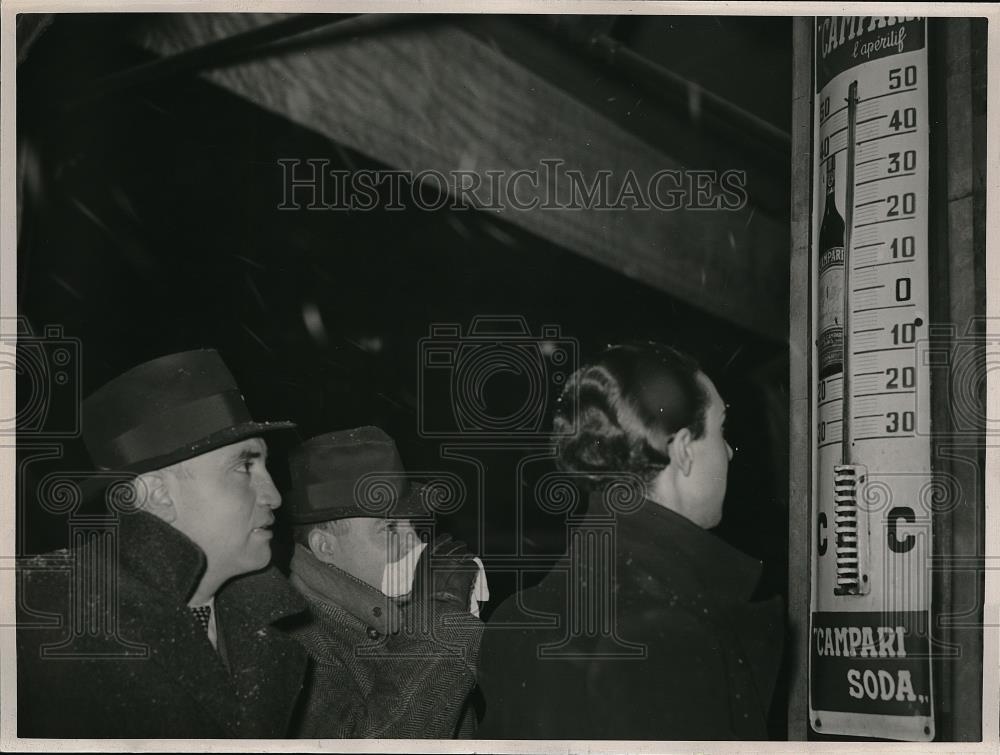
(382, 669)
(157, 675)
(660, 641)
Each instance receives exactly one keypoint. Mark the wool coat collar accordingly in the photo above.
(658, 536)
(248, 687)
(327, 584)
(723, 569)
(160, 556)
(167, 560)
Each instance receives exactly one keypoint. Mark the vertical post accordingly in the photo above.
(800, 380)
(958, 225)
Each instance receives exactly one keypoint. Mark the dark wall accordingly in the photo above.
(151, 226)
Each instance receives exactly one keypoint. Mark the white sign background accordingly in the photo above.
(887, 289)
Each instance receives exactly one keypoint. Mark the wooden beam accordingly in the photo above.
(664, 118)
(441, 99)
(800, 472)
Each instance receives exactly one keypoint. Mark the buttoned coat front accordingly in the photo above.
(382, 670)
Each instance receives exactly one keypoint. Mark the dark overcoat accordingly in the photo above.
(381, 669)
(646, 630)
(140, 666)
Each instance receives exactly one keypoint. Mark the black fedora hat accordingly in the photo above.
(350, 473)
(165, 411)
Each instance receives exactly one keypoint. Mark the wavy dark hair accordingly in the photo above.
(620, 412)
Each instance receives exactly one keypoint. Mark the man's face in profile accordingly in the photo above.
(362, 546)
(225, 501)
(711, 454)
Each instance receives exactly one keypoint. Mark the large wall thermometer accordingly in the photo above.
(870, 670)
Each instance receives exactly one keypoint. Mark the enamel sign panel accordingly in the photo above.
(869, 668)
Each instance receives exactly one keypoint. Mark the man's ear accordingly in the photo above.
(680, 451)
(322, 544)
(153, 495)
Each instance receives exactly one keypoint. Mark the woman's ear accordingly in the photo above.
(680, 451)
(153, 495)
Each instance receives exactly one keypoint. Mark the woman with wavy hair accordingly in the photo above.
(646, 629)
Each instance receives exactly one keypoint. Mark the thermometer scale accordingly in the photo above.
(869, 645)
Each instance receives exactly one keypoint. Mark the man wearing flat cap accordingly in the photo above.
(393, 636)
(186, 646)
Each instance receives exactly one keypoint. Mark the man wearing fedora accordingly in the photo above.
(182, 644)
(393, 636)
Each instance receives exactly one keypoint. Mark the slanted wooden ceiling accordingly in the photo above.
(434, 96)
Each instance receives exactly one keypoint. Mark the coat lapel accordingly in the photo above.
(255, 694)
(179, 645)
(327, 585)
(266, 666)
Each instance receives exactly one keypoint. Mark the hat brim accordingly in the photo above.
(95, 485)
(410, 505)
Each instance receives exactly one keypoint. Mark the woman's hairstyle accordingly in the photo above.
(620, 412)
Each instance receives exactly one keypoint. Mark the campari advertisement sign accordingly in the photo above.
(870, 640)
